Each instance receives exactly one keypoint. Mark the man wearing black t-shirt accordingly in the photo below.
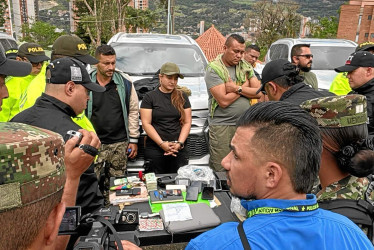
(114, 115)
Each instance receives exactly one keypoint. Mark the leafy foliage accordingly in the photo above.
(3, 7)
(326, 27)
(274, 20)
(40, 32)
(101, 19)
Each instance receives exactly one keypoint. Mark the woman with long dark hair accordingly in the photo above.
(166, 118)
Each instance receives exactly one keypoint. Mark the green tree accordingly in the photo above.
(3, 8)
(325, 27)
(101, 19)
(40, 32)
(274, 20)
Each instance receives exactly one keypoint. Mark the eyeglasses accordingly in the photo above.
(308, 56)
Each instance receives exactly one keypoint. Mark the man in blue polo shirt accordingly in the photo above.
(274, 160)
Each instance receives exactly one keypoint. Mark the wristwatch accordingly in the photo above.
(180, 143)
(239, 91)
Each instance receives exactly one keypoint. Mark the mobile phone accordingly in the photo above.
(224, 185)
(197, 184)
(72, 133)
(70, 221)
(208, 193)
(192, 193)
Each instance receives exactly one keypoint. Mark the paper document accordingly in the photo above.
(177, 212)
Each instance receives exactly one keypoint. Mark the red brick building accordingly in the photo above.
(356, 21)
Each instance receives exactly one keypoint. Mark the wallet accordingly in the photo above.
(202, 217)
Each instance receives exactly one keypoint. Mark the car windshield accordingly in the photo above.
(147, 58)
(329, 57)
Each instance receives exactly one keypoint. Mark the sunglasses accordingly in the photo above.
(308, 56)
(36, 64)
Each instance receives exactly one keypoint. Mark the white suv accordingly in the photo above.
(142, 55)
(327, 55)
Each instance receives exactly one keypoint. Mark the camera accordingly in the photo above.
(100, 227)
(72, 133)
(70, 221)
(97, 238)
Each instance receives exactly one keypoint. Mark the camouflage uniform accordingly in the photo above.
(31, 165)
(350, 187)
(115, 155)
(338, 112)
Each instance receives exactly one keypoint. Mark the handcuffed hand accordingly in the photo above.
(77, 160)
(169, 148)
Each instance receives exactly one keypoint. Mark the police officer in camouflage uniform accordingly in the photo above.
(39, 176)
(348, 155)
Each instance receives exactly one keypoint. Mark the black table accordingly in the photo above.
(163, 237)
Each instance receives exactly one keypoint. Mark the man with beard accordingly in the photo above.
(302, 57)
(274, 160)
(114, 115)
(281, 82)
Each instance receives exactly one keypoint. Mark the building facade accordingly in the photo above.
(356, 21)
(24, 11)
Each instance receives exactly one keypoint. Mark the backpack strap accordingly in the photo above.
(243, 238)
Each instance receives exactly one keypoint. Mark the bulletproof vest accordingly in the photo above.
(361, 212)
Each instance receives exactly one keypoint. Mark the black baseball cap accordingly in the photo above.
(275, 69)
(63, 70)
(11, 53)
(73, 46)
(33, 52)
(365, 46)
(356, 60)
(10, 67)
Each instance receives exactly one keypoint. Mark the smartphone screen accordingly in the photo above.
(70, 220)
(208, 193)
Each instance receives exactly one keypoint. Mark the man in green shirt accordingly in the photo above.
(302, 57)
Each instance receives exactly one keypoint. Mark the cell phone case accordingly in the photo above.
(192, 193)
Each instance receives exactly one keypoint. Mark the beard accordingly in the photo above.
(306, 68)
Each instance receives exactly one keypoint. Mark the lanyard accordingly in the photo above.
(275, 210)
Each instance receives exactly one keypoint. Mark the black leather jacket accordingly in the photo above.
(52, 114)
(301, 92)
(368, 90)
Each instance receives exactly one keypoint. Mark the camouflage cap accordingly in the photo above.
(338, 111)
(31, 164)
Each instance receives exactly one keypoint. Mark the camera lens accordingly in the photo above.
(130, 218)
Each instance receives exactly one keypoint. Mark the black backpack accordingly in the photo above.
(145, 85)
